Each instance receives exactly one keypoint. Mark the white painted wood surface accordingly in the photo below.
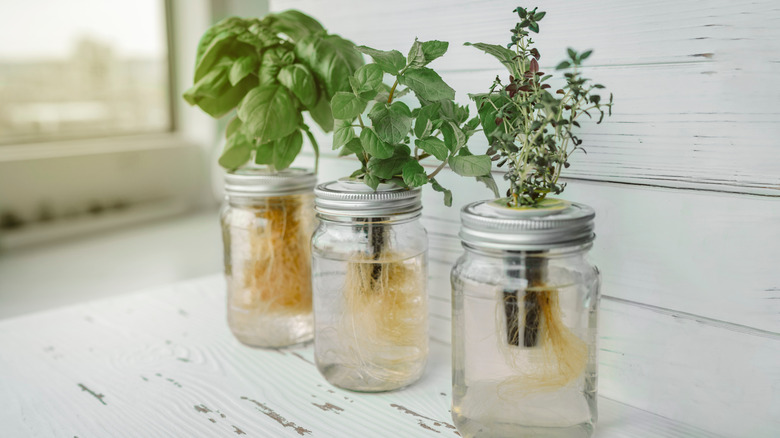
(163, 363)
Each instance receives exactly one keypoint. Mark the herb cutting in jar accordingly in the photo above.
(531, 129)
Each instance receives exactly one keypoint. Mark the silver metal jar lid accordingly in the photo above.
(247, 182)
(353, 198)
(487, 225)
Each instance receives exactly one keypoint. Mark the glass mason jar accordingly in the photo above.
(525, 302)
(267, 222)
(370, 276)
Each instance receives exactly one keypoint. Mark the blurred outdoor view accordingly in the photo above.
(82, 68)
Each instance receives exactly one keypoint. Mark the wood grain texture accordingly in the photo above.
(694, 83)
(163, 363)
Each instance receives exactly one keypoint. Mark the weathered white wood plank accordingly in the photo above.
(695, 86)
(163, 363)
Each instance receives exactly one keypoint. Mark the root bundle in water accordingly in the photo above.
(384, 324)
(271, 263)
(543, 352)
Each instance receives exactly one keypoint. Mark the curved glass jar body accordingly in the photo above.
(524, 342)
(370, 276)
(268, 267)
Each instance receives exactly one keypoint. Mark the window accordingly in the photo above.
(83, 68)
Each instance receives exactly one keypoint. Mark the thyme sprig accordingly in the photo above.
(529, 128)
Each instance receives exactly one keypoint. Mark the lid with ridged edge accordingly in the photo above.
(255, 181)
(347, 197)
(487, 224)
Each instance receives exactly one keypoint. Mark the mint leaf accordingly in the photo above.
(353, 146)
(447, 193)
(416, 57)
(414, 174)
(486, 108)
(373, 145)
(368, 78)
(392, 124)
(371, 181)
(423, 125)
(298, 79)
(269, 113)
(433, 146)
(454, 138)
(389, 167)
(342, 133)
(242, 67)
(238, 150)
(489, 182)
(434, 49)
(506, 56)
(391, 62)
(427, 84)
(286, 149)
(472, 165)
(347, 106)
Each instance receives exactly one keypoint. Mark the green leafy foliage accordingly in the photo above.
(437, 128)
(271, 70)
(531, 129)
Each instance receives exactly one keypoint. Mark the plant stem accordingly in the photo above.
(392, 90)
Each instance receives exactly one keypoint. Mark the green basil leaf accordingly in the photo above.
(332, 59)
(447, 193)
(427, 84)
(373, 145)
(454, 138)
(238, 150)
(298, 79)
(242, 67)
(295, 24)
(264, 154)
(211, 85)
(226, 101)
(434, 49)
(322, 114)
(347, 106)
(472, 165)
(392, 124)
(433, 146)
(414, 174)
(423, 125)
(232, 127)
(392, 62)
(271, 64)
(342, 133)
(416, 57)
(506, 56)
(220, 46)
(269, 113)
(286, 149)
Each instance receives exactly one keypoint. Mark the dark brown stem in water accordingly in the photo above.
(531, 318)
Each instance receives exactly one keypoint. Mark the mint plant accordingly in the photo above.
(392, 146)
(529, 128)
(270, 70)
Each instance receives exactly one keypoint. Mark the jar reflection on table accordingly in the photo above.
(524, 336)
(267, 222)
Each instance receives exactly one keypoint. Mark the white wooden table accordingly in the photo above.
(163, 363)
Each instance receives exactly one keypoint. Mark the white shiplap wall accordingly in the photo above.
(685, 180)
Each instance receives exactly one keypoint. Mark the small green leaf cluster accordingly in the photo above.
(392, 146)
(529, 128)
(270, 70)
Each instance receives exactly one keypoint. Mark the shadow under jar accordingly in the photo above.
(370, 276)
(525, 302)
(267, 222)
